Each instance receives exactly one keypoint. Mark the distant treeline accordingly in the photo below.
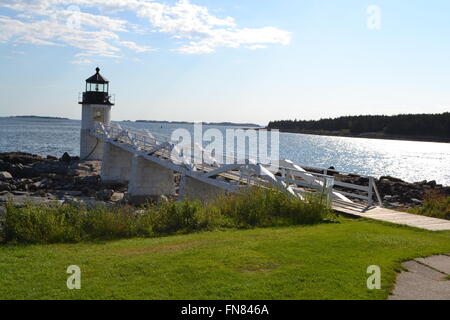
(433, 125)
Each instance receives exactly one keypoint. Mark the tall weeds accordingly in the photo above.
(68, 223)
(435, 205)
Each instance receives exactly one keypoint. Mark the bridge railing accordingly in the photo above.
(314, 182)
(366, 191)
(288, 174)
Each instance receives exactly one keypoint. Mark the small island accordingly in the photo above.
(39, 117)
(230, 124)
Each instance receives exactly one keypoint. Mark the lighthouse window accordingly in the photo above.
(97, 87)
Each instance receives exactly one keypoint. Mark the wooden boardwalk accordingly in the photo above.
(392, 216)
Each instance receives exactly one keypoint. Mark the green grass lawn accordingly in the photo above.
(326, 261)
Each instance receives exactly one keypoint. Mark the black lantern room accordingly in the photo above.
(96, 90)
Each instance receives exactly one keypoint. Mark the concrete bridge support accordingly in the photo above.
(198, 190)
(116, 166)
(149, 179)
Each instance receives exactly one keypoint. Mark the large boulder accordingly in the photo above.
(4, 166)
(432, 184)
(51, 167)
(5, 175)
(20, 157)
(138, 200)
(5, 186)
(88, 180)
(65, 157)
(104, 195)
(391, 179)
(18, 170)
(117, 196)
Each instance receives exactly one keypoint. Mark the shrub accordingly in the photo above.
(32, 224)
(435, 205)
(175, 217)
(260, 207)
(68, 223)
(65, 223)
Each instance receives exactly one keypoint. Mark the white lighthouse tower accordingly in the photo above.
(96, 107)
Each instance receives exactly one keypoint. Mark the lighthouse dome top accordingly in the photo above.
(97, 77)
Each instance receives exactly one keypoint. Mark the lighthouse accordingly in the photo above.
(96, 108)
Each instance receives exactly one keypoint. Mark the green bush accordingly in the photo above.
(65, 223)
(270, 207)
(68, 223)
(175, 217)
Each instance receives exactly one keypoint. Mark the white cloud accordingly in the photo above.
(72, 23)
(55, 32)
(82, 61)
(133, 46)
(253, 38)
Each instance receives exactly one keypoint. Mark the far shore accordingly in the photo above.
(39, 117)
(369, 135)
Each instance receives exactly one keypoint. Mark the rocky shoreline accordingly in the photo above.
(25, 177)
(28, 177)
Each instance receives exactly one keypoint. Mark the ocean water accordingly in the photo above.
(408, 160)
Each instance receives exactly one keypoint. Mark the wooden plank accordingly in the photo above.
(351, 186)
(392, 216)
(353, 195)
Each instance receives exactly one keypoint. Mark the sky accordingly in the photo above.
(227, 60)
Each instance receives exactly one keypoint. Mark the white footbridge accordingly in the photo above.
(145, 160)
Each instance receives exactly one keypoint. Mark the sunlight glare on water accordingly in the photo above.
(409, 160)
